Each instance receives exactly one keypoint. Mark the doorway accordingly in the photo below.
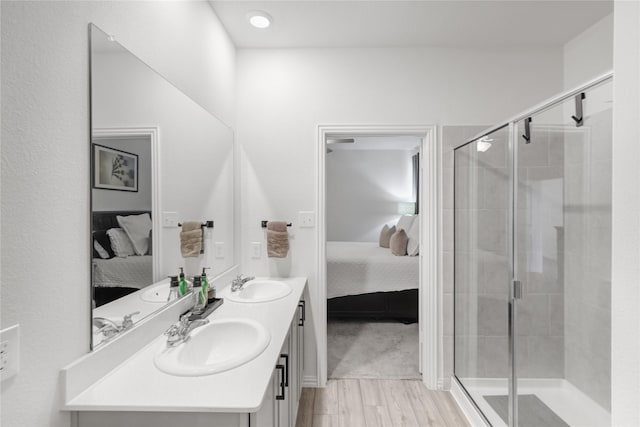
(349, 308)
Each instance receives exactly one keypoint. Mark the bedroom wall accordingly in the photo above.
(45, 168)
(284, 94)
(363, 190)
(110, 200)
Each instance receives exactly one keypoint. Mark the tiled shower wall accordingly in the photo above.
(563, 258)
(482, 259)
(587, 307)
(452, 136)
(540, 225)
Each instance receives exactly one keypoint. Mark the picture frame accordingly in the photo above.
(114, 169)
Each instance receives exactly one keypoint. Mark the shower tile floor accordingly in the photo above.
(570, 404)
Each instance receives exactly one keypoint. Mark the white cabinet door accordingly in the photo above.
(280, 404)
(267, 415)
(284, 393)
(294, 363)
(300, 352)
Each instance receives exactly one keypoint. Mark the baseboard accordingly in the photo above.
(466, 406)
(443, 384)
(310, 381)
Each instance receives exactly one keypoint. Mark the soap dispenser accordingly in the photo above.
(184, 285)
(206, 287)
(199, 302)
(174, 286)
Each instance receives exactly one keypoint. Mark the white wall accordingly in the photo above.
(589, 54)
(113, 200)
(284, 94)
(45, 166)
(625, 298)
(363, 190)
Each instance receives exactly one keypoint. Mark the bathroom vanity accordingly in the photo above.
(263, 391)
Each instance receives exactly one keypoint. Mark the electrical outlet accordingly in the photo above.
(307, 219)
(256, 249)
(219, 249)
(169, 219)
(9, 352)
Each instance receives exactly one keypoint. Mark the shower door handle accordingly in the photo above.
(517, 289)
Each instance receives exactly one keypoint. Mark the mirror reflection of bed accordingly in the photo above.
(372, 257)
(118, 270)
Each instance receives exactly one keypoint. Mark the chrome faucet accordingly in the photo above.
(106, 327)
(127, 322)
(239, 282)
(180, 332)
(109, 328)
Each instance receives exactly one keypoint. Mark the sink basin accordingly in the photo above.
(260, 291)
(220, 345)
(158, 293)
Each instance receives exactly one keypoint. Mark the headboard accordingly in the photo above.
(104, 220)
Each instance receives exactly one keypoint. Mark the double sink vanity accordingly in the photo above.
(241, 367)
(148, 364)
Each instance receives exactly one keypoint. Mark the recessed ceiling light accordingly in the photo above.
(259, 19)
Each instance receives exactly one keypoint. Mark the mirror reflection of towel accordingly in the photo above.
(191, 239)
(277, 239)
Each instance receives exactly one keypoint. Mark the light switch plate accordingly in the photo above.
(256, 249)
(307, 219)
(219, 249)
(9, 352)
(169, 219)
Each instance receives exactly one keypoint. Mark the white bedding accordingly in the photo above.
(355, 268)
(131, 272)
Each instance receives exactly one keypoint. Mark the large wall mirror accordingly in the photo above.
(158, 159)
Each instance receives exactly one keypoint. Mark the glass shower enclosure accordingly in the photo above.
(532, 264)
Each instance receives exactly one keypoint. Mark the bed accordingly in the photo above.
(116, 277)
(367, 281)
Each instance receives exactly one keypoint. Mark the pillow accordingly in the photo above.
(137, 228)
(120, 242)
(99, 251)
(413, 245)
(385, 235)
(150, 244)
(398, 243)
(104, 241)
(405, 222)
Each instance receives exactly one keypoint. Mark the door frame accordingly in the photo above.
(430, 295)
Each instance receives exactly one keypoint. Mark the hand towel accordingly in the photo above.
(191, 239)
(277, 239)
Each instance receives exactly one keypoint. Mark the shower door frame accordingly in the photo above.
(512, 152)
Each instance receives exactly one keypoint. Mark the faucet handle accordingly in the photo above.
(127, 322)
(172, 331)
(184, 319)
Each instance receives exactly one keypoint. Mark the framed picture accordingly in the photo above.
(114, 169)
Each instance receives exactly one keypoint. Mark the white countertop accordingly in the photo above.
(137, 385)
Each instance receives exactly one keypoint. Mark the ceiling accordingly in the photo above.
(452, 23)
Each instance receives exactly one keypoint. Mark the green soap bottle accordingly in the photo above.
(183, 288)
